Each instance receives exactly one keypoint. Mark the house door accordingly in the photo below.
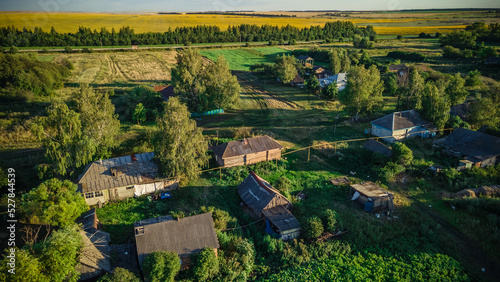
(113, 194)
(245, 159)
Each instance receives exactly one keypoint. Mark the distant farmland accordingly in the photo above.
(242, 59)
(69, 22)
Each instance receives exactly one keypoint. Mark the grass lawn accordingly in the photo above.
(242, 59)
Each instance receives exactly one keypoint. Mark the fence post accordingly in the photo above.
(308, 154)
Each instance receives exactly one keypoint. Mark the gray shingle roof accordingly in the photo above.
(402, 120)
(476, 146)
(371, 190)
(98, 175)
(377, 147)
(282, 218)
(253, 145)
(184, 236)
(256, 196)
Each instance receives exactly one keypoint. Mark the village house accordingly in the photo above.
(305, 60)
(378, 148)
(320, 72)
(247, 151)
(183, 236)
(373, 197)
(400, 125)
(402, 73)
(340, 79)
(166, 91)
(298, 81)
(95, 253)
(122, 177)
(267, 203)
(476, 148)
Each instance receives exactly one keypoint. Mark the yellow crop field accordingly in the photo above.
(69, 22)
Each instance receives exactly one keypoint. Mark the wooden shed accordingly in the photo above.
(184, 236)
(267, 203)
(302, 59)
(372, 197)
(247, 151)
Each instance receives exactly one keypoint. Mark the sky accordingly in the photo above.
(233, 5)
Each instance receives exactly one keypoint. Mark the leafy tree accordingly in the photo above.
(286, 68)
(313, 228)
(459, 39)
(456, 90)
(364, 90)
(179, 146)
(222, 89)
(60, 254)
(402, 154)
(335, 64)
(330, 91)
(161, 266)
(362, 42)
(415, 90)
(139, 114)
(205, 265)
(54, 202)
(473, 78)
(220, 217)
(330, 220)
(28, 268)
(485, 111)
(66, 147)
(13, 50)
(345, 63)
(313, 84)
(237, 257)
(391, 84)
(435, 105)
(98, 118)
(203, 88)
(120, 275)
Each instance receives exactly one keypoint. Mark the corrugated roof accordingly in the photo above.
(94, 256)
(282, 218)
(298, 79)
(377, 147)
(184, 236)
(402, 120)
(98, 175)
(476, 146)
(340, 77)
(257, 196)
(370, 189)
(246, 146)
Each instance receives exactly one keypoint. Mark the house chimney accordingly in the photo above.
(245, 141)
(133, 157)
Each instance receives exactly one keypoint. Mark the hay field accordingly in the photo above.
(104, 69)
(69, 22)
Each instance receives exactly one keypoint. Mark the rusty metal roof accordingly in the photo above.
(184, 236)
(127, 170)
(402, 120)
(371, 190)
(246, 146)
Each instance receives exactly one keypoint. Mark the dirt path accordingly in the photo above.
(469, 250)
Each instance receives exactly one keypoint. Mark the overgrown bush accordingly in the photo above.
(409, 56)
(161, 266)
(313, 228)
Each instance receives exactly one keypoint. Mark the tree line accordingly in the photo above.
(11, 36)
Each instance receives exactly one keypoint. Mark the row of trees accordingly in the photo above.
(462, 44)
(11, 36)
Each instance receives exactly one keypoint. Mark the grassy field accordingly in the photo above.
(390, 24)
(242, 59)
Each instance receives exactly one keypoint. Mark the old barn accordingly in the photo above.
(247, 151)
(267, 203)
(183, 236)
(122, 177)
(372, 196)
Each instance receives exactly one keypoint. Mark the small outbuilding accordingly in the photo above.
(298, 81)
(476, 148)
(378, 147)
(302, 59)
(166, 91)
(247, 151)
(267, 203)
(183, 236)
(402, 73)
(372, 197)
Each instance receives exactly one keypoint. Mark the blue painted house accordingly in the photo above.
(400, 125)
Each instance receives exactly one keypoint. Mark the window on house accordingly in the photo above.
(139, 230)
(89, 195)
(98, 194)
(130, 187)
